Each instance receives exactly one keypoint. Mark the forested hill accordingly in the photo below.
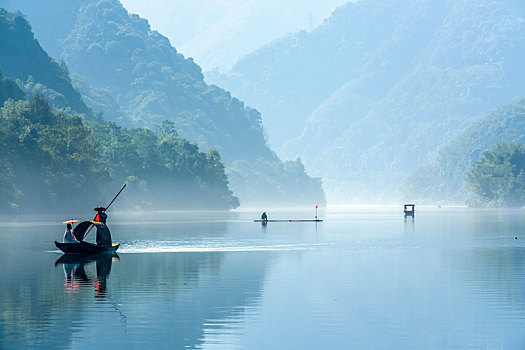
(443, 181)
(119, 53)
(116, 55)
(152, 81)
(60, 161)
(55, 158)
(380, 86)
(21, 57)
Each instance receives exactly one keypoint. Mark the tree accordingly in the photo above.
(498, 178)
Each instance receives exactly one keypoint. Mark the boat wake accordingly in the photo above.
(176, 247)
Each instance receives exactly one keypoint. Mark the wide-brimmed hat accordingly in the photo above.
(99, 209)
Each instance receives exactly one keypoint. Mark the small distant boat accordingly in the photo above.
(103, 245)
(264, 218)
(409, 210)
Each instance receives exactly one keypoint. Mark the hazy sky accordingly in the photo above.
(218, 32)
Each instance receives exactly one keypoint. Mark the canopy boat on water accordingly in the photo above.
(409, 210)
(103, 243)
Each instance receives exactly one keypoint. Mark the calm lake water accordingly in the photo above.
(363, 279)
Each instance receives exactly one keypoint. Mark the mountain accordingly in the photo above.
(21, 57)
(55, 158)
(116, 55)
(372, 93)
(443, 181)
(218, 32)
(151, 81)
(251, 25)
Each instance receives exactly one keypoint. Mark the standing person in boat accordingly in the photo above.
(264, 217)
(69, 237)
(101, 216)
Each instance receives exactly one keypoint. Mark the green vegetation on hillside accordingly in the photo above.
(168, 171)
(443, 181)
(55, 160)
(118, 52)
(22, 58)
(9, 89)
(498, 178)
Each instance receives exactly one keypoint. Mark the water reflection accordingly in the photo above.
(409, 226)
(75, 272)
(185, 295)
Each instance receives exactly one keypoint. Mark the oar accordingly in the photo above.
(106, 208)
(115, 197)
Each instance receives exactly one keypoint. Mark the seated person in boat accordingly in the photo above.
(264, 217)
(100, 216)
(68, 235)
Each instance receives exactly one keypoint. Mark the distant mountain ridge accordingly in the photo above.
(381, 86)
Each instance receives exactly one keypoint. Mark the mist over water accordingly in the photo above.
(365, 277)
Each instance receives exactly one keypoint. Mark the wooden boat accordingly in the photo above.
(86, 248)
(103, 239)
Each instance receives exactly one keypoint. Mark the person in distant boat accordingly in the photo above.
(69, 237)
(101, 216)
(264, 217)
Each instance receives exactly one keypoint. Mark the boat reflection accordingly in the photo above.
(75, 275)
